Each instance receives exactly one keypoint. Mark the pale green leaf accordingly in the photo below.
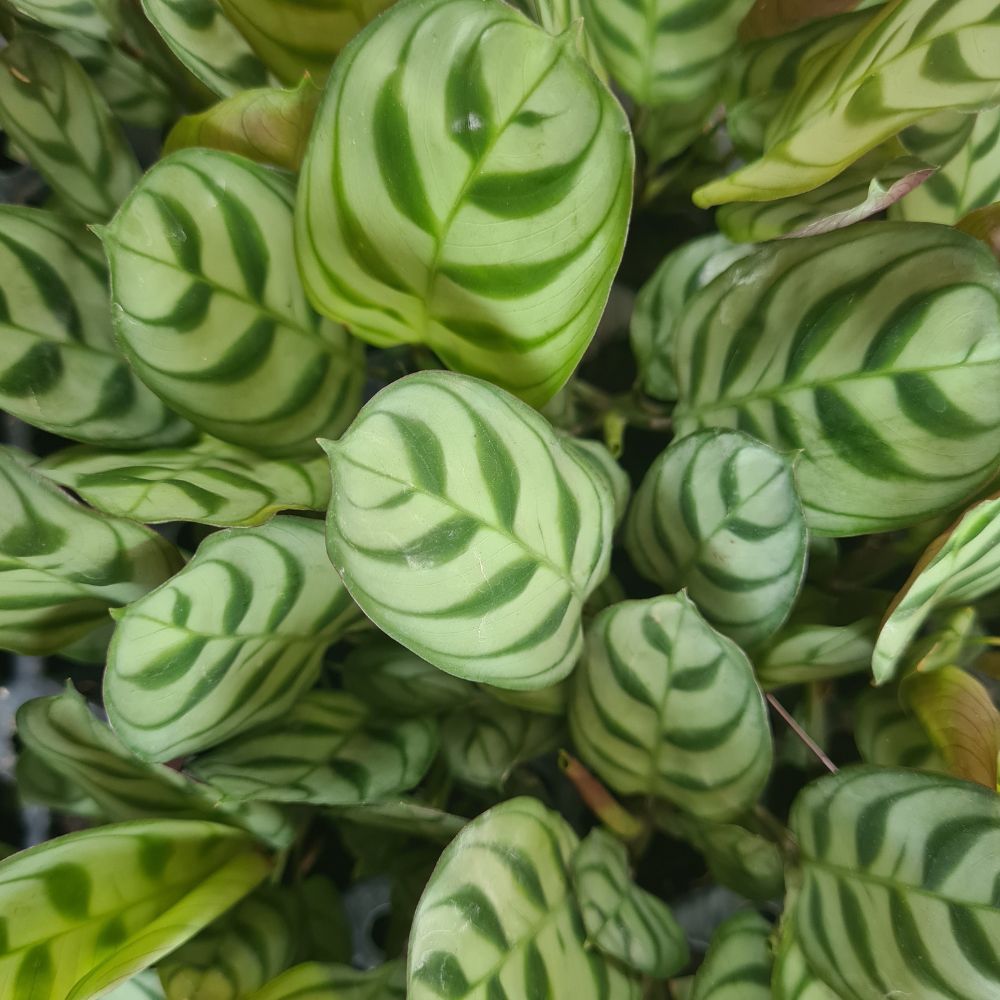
(551, 700)
(229, 643)
(900, 871)
(424, 222)
(86, 18)
(738, 963)
(145, 986)
(605, 464)
(467, 530)
(840, 360)
(664, 705)
(889, 736)
(801, 653)
(94, 908)
(313, 981)
(41, 784)
(559, 16)
(940, 137)
(210, 311)
(793, 977)
(403, 815)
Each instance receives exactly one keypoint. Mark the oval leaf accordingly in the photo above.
(793, 977)
(313, 981)
(888, 736)
(984, 225)
(738, 963)
(801, 653)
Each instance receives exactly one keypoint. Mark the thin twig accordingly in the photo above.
(600, 801)
(809, 742)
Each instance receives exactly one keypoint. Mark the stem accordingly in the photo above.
(600, 801)
(814, 748)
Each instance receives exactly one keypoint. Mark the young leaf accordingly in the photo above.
(717, 515)
(229, 643)
(208, 483)
(499, 916)
(984, 225)
(403, 815)
(209, 308)
(793, 978)
(888, 736)
(62, 566)
(313, 981)
(423, 221)
(663, 705)
(94, 908)
(623, 921)
(467, 530)
(899, 884)
(328, 750)
(801, 653)
(60, 368)
(830, 346)
(738, 963)
(604, 464)
(49, 107)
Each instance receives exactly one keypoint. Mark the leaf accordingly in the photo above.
(696, 731)
(405, 816)
(958, 567)
(559, 16)
(49, 107)
(984, 225)
(738, 858)
(545, 701)
(738, 963)
(449, 236)
(802, 653)
(793, 978)
(940, 137)
(768, 18)
(961, 721)
(267, 124)
(313, 981)
(666, 130)
(201, 37)
(96, 907)
(40, 784)
(208, 483)
(899, 884)
(499, 916)
(330, 749)
(145, 986)
(475, 536)
(62, 566)
(605, 464)
(888, 736)
(829, 346)
(87, 18)
(907, 62)
(210, 311)
(229, 643)
(621, 919)
(717, 515)
(60, 368)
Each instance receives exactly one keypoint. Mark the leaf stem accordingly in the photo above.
(802, 735)
(600, 801)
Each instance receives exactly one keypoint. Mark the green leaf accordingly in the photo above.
(201, 37)
(475, 535)
(313, 981)
(267, 124)
(940, 137)
(229, 643)
(959, 567)
(86, 18)
(717, 515)
(425, 223)
(829, 346)
(41, 784)
(900, 871)
(330, 749)
(909, 60)
(663, 705)
(983, 224)
(62, 566)
(210, 311)
(738, 963)
(499, 916)
(802, 653)
(545, 701)
(622, 920)
(666, 130)
(50, 108)
(405, 816)
(145, 986)
(559, 16)
(604, 464)
(793, 977)
(208, 483)
(94, 908)
(767, 19)
(887, 735)
(60, 368)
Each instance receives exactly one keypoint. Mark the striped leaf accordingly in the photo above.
(50, 108)
(60, 368)
(887, 735)
(622, 920)
(403, 815)
(911, 58)
(558, 16)
(667, 130)
(267, 124)
(89, 18)
(330, 749)
(983, 224)
(960, 566)
(501, 266)
(94, 908)
(606, 465)
(145, 986)
(499, 917)
(793, 977)
(663, 705)
(900, 871)
(802, 653)
(210, 311)
(829, 347)
(228, 643)
(40, 784)
(61, 733)
(62, 567)
(738, 963)
(545, 701)
(717, 515)
(768, 18)
(476, 535)
(940, 137)
(201, 37)
(313, 981)
(208, 483)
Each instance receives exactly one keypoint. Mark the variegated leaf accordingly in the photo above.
(940, 137)
(887, 735)
(52, 110)
(663, 705)
(717, 515)
(94, 908)
(499, 916)
(313, 981)
(443, 544)
(402, 815)
(40, 784)
(801, 653)
(900, 871)
(830, 347)
(738, 963)
(88, 18)
(423, 221)
(559, 16)
(604, 464)
(229, 643)
(330, 749)
(793, 977)
(768, 18)
(545, 701)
